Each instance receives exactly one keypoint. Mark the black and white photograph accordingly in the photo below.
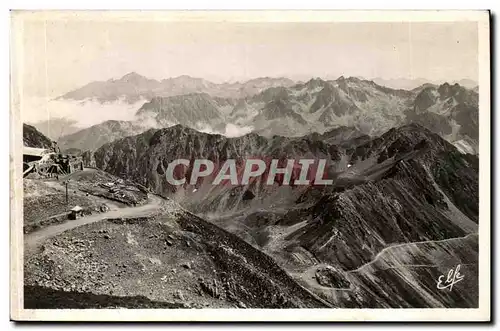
(234, 166)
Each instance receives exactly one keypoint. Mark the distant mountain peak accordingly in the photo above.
(315, 82)
(132, 74)
(186, 77)
(133, 77)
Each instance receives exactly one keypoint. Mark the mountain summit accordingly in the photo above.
(134, 78)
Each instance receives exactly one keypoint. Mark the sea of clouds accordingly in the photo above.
(231, 130)
(83, 114)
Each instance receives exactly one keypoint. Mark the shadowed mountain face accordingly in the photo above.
(406, 186)
(343, 136)
(34, 138)
(145, 157)
(193, 110)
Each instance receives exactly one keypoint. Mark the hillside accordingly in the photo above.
(34, 138)
(170, 259)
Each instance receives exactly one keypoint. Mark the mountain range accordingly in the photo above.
(292, 109)
(133, 87)
(410, 84)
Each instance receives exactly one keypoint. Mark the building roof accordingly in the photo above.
(33, 151)
(76, 209)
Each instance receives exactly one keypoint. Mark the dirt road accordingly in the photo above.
(32, 240)
(308, 276)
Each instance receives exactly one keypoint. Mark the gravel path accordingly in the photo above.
(34, 239)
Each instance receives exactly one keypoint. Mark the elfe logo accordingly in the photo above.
(242, 172)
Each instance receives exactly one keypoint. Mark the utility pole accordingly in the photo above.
(67, 199)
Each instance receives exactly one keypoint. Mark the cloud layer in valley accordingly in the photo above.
(83, 113)
(231, 130)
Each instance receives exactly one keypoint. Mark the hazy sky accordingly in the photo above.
(62, 55)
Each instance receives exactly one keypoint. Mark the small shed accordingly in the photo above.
(76, 212)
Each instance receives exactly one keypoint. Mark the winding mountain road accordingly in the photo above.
(32, 240)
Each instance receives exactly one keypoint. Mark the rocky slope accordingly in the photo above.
(34, 138)
(173, 260)
(418, 188)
